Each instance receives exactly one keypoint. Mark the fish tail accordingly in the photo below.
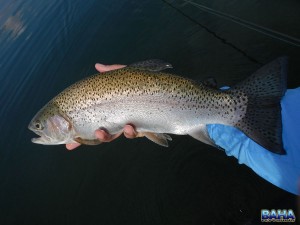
(264, 90)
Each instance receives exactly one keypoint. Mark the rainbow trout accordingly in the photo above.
(159, 103)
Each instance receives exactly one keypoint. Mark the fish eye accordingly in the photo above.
(38, 125)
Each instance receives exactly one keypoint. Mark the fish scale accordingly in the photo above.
(136, 84)
(157, 103)
(132, 84)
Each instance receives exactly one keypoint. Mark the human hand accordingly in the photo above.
(102, 135)
(280, 170)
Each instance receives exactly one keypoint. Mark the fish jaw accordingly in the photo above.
(40, 140)
(44, 139)
(52, 127)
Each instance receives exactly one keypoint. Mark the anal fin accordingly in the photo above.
(160, 139)
(200, 133)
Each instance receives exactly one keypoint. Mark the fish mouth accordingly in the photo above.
(38, 140)
(42, 139)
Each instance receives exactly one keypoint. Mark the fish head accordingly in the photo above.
(52, 126)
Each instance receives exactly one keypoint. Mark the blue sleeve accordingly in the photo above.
(281, 170)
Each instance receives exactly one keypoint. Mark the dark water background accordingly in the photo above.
(47, 45)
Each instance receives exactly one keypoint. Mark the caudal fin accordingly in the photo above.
(264, 90)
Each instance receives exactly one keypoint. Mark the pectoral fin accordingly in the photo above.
(87, 141)
(200, 133)
(160, 139)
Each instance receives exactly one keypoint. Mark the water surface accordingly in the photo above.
(48, 45)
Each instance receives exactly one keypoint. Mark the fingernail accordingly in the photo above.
(99, 64)
(131, 134)
(102, 135)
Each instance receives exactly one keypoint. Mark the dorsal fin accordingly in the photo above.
(210, 82)
(154, 65)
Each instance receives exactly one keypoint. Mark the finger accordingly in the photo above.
(72, 146)
(129, 131)
(103, 136)
(104, 68)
